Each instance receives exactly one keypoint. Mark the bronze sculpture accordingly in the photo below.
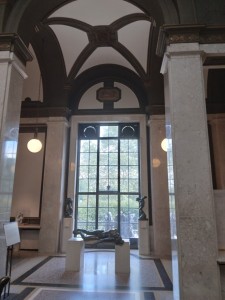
(100, 236)
(142, 215)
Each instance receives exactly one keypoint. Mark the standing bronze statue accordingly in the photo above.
(68, 208)
(142, 215)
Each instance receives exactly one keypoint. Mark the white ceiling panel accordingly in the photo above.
(135, 37)
(128, 98)
(96, 12)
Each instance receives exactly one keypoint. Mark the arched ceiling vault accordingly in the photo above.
(70, 38)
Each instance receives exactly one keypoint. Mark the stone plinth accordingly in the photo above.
(122, 257)
(143, 241)
(74, 254)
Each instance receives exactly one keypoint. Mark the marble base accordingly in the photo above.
(67, 232)
(74, 254)
(143, 241)
(122, 257)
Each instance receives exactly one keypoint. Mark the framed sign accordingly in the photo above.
(12, 234)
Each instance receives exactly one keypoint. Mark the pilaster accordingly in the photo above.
(54, 185)
(13, 56)
(159, 184)
(195, 269)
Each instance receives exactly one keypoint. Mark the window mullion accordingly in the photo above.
(97, 183)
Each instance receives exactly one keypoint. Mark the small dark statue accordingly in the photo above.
(68, 208)
(142, 215)
(100, 236)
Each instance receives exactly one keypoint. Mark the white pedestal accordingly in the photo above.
(122, 257)
(143, 241)
(74, 254)
(67, 232)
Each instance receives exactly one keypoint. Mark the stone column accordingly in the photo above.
(54, 185)
(217, 125)
(160, 202)
(13, 57)
(195, 269)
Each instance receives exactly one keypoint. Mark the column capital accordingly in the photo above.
(12, 42)
(201, 34)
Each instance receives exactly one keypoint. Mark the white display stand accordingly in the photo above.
(143, 241)
(122, 257)
(74, 254)
(67, 232)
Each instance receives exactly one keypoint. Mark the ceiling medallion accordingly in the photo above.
(103, 35)
(105, 94)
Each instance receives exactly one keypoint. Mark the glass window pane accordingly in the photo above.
(103, 172)
(84, 159)
(124, 159)
(124, 172)
(103, 201)
(133, 172)
(113, 131)
(93, 159)
(124, 185)
(84, 146)
(133, 146)
(104, 159)
(113, 159)
(92, 172)
(92, 185)
(91, 201)
(82, 214)
(91, 214)
(83, 172)
(124, 201)
(113, 145)
(113, 185)
(82, 200)
(83, 185)
(133, 159)
(133, 185)
(104, 146)
(103, 185)
(123, 145)
(93, 145)
(113, 172)
(108, 131)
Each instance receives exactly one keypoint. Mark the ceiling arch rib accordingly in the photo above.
(105, 55)
(121, 22)
(131, 59)
(84, 55)
(70, 53)
(85, 10)
(69, 22)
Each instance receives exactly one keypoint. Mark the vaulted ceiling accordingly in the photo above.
(78, 43)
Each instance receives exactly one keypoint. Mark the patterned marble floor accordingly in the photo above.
(37, 277)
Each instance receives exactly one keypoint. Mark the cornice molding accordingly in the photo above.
(37, 109)
(12, 42)
(202, 34)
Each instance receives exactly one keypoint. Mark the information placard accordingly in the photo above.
(12, 234)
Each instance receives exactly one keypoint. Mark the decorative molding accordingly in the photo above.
(201, 34)
(111, 94)
(13, 43)
(214, 61)
(37, 109)
(102, 35)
